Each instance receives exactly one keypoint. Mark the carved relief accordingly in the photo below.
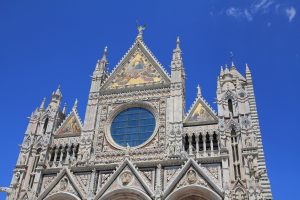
(125, 178)
(191, 176)
(63, 184)
(47, 179)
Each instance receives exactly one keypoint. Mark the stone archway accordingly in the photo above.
(193, 193)
(125, 194)
(62, 196)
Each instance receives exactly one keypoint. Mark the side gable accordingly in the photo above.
(71, 126)
(193, 174)
(64, 182)
(201, 113)
(137, 68)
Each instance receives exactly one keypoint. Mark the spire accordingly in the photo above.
(75, 104)
(232, 66)
(58, 92)
(226, 69)
(64, 111)
(43, 104)
(178, 43)
(248, 74)
(104, 54)
(177, 50)
(199, 93)
(101, 65)
(56, 95)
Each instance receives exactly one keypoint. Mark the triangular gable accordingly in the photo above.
(71, 126)
(193, 174)
(126, 175)
(137, 68)
(201, 113)
(64, 182)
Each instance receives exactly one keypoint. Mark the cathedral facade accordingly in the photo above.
(137, 142)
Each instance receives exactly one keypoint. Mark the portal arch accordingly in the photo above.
(194, 192)
(62, 196)
(125, 194)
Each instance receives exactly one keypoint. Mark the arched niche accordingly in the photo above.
(125, 194)
(193, 193)
(62, 196)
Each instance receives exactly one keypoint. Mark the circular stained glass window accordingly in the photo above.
(132, 127)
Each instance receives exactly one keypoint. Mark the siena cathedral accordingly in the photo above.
(138, 141)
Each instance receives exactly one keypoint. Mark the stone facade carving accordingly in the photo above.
(218, 155)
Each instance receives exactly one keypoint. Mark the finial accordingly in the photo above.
(199, 94)
(43, 104)
(104, 53)
(231, 59)
(64, 111)
(140, 29)
(75, 104)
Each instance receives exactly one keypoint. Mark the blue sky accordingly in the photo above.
(47, 43)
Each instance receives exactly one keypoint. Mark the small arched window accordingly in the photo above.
(230, 106)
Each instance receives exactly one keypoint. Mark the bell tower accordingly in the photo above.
(238, 126)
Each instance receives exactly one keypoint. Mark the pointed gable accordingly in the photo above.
(71, 126)
(125, 176)
(201, 113)
(64, 182)
(138, 67)
(192, 174)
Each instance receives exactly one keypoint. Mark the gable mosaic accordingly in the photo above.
(137, 71)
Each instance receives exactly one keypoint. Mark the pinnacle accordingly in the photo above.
(104, 54)
(43, 104)
(64, 108)
(75, 104)
(247, 69)
(221, 71)
(58, 92)
(232, 66)
(178, 43)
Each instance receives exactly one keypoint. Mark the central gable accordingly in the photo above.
(139, 67)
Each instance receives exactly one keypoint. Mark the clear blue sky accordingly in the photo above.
(46, 43)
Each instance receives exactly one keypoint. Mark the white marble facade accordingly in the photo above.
(199, 154)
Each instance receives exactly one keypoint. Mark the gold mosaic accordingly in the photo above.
(200, 114)
(70, 127)
(136, 72)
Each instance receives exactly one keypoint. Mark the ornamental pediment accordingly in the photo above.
(127, 177)
(201, 113)
(192, 174)
(138, 68)
(71, 126)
